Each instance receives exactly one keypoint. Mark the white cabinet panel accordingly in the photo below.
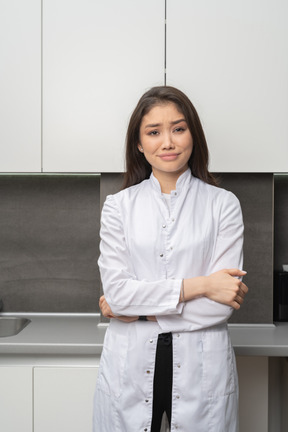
(231, 58)
(16, 399)
(63, 399)
(98, 58)
(20, 85)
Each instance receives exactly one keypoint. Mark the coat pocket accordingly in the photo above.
(219, 374)
(113, 362)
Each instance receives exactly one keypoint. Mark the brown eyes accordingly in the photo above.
(176, 130)
(179, 129)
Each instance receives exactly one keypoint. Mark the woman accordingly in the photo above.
(170, 263)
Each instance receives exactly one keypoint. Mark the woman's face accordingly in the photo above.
(165, 140)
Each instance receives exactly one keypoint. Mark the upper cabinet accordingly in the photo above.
(20, 85)
(72, 71)
(98, 59)
(231, 58)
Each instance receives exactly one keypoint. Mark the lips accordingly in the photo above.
(169, 156)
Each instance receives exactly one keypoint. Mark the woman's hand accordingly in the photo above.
(107, 312)
(105, 308)
(223, 286)
(226, 287)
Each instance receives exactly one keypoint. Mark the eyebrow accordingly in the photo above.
(159, 124)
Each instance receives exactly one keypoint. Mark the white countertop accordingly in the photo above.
(260, 340)
(83, 335)
(74, 334)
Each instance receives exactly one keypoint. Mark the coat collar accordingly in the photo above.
(183, 182)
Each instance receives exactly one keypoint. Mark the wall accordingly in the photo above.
(49, 240)
(281, 221)
(49, 243)
(255, 192)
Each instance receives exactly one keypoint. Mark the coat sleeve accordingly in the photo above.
(124, 293)
(227, 253)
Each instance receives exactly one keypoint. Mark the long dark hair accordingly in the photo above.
(137, 167)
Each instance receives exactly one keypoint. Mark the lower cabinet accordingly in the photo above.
(63, 398)
(16, 399)
(60, 398)
(47, 399)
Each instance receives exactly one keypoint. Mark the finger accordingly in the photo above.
(235, 272)
(242, 292)
(235, 305)
(244, 288)
(241, 295)
(239, 299)
(107, 313)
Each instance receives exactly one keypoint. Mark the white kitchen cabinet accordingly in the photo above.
(20, 86)
(98, 59)
(16, 399)
(231, 58)
(63, 398)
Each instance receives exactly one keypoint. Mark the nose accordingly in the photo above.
(167, 141)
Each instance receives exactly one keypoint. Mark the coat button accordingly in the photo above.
(161, 255)
(163, 226)
(148, 372)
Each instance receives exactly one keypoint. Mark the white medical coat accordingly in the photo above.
(145, 253)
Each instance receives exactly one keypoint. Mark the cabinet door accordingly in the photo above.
(98, 59)
(20, 86)
(231, 58)
(63, 399)
(16, 399)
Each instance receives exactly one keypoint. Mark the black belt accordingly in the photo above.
(165, 339)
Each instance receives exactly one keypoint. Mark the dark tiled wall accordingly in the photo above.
(255, 192)
(281, 221)
(110, 183)
(49, 228)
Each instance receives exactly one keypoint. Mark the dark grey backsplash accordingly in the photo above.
(255, 192)
(49, 227)
(281, 221)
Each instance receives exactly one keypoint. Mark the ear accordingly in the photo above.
(140, 148)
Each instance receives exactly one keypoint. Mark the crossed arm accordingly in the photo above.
(223, 286)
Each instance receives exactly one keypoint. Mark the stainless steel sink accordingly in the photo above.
(11, 326)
